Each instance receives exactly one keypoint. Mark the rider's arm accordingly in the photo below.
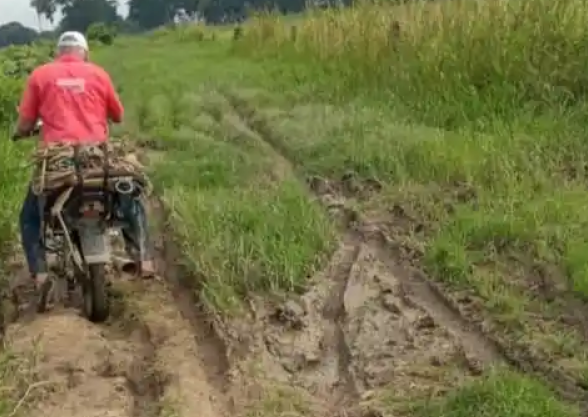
(113, 103)
(28, 110)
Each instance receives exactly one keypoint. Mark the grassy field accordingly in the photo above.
(471, 115)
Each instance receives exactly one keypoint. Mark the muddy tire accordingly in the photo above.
(96, 303)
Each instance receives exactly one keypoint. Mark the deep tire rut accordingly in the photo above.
(418, 290)
(145, 381)
(335, 314)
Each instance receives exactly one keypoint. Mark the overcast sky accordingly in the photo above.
(20, 11)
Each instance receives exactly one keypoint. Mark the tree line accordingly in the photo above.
(143, 15)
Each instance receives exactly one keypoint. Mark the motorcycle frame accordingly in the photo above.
(92, 244)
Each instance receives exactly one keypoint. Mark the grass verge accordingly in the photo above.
(227, 196)
(498, 394)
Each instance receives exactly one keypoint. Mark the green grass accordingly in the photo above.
(15, 376)
(498, 394)
(243, 245)
(227, 195)
(13, 177)
(472, 119)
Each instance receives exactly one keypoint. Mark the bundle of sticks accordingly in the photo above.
(65, 165)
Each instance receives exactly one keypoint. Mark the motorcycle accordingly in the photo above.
(78, 221)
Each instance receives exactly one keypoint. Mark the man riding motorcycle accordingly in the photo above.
(75, 100)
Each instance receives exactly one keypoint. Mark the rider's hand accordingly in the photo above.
(15, 135)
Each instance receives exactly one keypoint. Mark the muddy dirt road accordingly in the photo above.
(149, 360)
(364, 324)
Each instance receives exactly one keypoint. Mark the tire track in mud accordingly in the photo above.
(481, 349)
(480, 343)
(334, 312)
(333, 379)
(155, 357)
(414, 284)
(87, 369)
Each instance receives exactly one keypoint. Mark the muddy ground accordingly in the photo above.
(370, 321)
(154, 357)
(366, 323)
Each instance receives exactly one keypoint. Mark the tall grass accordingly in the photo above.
(452, 62)
(12, 172)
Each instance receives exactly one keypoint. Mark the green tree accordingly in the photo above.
(46, 8)
(149, 14)
(14, 33)
(101, 32)
(80, 14)
(77, 14)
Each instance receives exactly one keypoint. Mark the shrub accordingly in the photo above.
(19, 61)
(102, 33)
(15, 64)
(9, 95)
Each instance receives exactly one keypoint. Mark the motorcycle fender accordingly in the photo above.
(94, 242)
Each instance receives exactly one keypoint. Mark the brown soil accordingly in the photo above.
(149, 360)
(145, 362)
(363, 326)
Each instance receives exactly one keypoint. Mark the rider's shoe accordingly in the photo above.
(148, 269)
(44, 287)
(40, 279)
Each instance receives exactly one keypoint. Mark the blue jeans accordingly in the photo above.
(135, 232)
(31, 234)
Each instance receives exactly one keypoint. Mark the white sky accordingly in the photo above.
(20, 11)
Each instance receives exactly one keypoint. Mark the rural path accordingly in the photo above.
(369, 320)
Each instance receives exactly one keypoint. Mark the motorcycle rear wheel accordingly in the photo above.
(96, 303)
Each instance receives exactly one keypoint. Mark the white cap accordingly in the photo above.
(74, 39)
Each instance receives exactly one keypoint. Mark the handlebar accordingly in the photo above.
(35, 132)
